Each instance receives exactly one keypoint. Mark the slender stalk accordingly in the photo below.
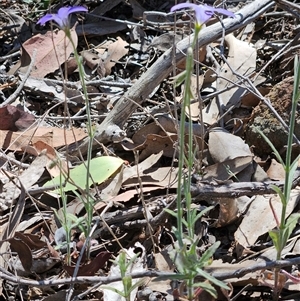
(88, 202)
(288, 176)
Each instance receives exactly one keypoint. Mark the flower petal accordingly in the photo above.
(224, 12)
(77, 9)
(63, 13)
(184, 5)
(62, 16)
(203, 12)
(45, 19)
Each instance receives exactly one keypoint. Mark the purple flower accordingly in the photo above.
(62, 16)
(203, 12)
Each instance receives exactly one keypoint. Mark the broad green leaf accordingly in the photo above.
(100, 170)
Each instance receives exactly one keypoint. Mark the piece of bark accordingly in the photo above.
(110, 130)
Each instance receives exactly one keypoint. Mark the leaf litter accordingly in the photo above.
(49, 116)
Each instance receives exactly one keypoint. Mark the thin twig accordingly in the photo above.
(237, 273)
(13, 97)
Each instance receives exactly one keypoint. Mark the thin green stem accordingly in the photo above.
(181, 142)
(89, 202)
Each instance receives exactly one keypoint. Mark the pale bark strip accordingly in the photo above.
(110, 130)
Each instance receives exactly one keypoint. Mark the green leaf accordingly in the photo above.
(139, 283)
(171, 212)
(274, 234)
(278, 157)
(290, 225)
(207, 287)
(199, 215)
(291, 174)
(280, 193)
(205, 258)
(127, 283)
(113, 290)
(212, 279)
(100, 170)
(179, 78)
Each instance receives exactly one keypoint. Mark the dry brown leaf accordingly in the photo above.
(152, 145)
(14, 119)
(23, 252)
(55, 163)
(132, 171)
(227, 169)
(228, 212)
(55, 137)
(224, 146)
(241, 59)
(125, 196)
(31, 240)
(163, 263)
(259, 219)
(92, 267)
(52, 49)
(276, 171)
(115, 51)
(219, 267)
(10, 192)
(250, 100)
(193, 110)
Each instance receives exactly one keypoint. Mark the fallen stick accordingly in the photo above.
(110, 130)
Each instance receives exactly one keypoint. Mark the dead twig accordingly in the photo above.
(13, 97)
(234, 273)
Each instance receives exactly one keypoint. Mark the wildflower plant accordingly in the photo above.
(185, 256)
(285, 226)
(125, 263)
(62, 19)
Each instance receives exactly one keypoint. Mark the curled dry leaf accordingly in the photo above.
(55, 162)
(23, 252)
